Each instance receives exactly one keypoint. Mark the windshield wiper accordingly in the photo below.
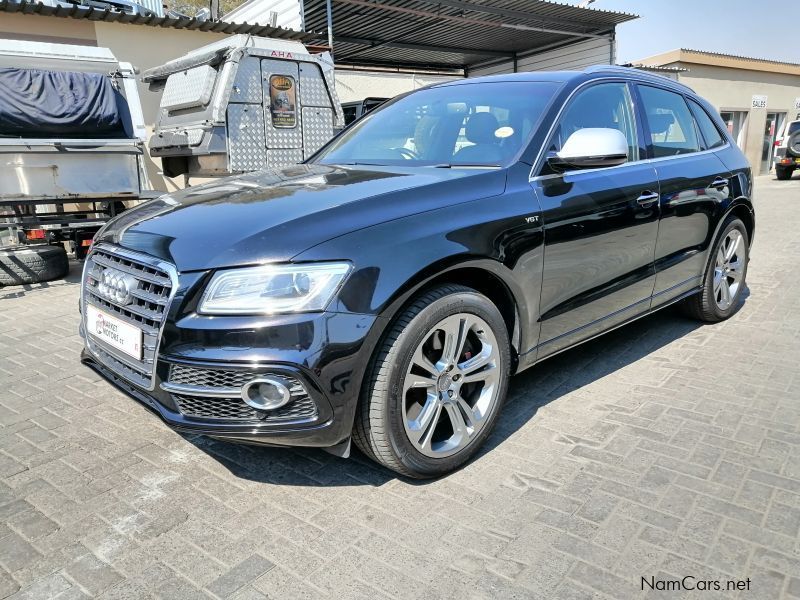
(464, 166)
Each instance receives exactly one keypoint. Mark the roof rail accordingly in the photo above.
(626, 70)
(604, 68)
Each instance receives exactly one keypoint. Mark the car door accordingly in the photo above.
(600, 227)
(694, 185)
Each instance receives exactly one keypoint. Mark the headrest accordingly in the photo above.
(660, 122)
(481, 127)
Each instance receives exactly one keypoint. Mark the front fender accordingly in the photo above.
(394, 261)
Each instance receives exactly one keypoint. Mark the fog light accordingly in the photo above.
(266, 393)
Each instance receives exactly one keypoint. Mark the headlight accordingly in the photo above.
(273, 289)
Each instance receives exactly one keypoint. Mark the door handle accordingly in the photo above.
(647, 198)
(719, 182)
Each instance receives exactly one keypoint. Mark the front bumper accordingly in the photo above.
(326, 353)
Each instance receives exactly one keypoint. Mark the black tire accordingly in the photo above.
(703, 306)
(32, 264)
(379, 430)
(783, 173)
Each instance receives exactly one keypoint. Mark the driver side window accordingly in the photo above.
(607, 105)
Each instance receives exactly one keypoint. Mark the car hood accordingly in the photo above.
(272, 216)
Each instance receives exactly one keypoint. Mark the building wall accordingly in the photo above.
(573, 57)
(357, 85)
(15, 26)
(730, 89)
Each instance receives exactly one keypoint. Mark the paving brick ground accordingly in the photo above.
(664, 449)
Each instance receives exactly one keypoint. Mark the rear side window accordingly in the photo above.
(709, 131)
(671, 125)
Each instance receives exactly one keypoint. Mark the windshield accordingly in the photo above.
(479, 124)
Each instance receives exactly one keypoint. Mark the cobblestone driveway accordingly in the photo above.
(664, 449)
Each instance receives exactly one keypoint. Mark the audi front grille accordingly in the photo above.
(142, 302)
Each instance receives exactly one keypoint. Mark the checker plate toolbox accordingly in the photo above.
(241, 105)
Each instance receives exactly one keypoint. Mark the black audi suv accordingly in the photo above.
(385, 290)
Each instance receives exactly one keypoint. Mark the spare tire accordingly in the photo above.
(793, 145)
(32, 264)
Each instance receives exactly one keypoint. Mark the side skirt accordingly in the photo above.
(669, 302)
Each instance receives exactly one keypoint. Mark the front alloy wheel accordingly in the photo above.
(436, 384)
(451, 385)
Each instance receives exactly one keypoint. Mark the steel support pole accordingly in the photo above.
(329, 10)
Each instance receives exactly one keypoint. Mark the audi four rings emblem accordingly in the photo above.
(116, 286)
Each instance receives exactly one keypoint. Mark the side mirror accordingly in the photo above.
(590, 148)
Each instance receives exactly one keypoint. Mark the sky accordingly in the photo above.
(755, 28)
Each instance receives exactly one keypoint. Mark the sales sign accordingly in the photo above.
(759, 101)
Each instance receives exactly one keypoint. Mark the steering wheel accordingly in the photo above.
(406, 153)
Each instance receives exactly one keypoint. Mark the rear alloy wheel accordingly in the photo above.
(436, 385)
(729, 269)
(725, 276)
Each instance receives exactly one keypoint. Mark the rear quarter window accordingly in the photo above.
(711, 135)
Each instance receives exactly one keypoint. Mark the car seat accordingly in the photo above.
(480, 130)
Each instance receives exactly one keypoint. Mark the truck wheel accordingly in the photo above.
(783, 173)
(32, 264)
(436, 384)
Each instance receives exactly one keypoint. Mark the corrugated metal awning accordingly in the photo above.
(452, 33)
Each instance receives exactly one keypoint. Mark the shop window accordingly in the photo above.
(736, 122)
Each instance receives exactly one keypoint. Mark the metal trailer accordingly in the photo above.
(243, 104)
(62, 189)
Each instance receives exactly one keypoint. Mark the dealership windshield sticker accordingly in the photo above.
(283, 101)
